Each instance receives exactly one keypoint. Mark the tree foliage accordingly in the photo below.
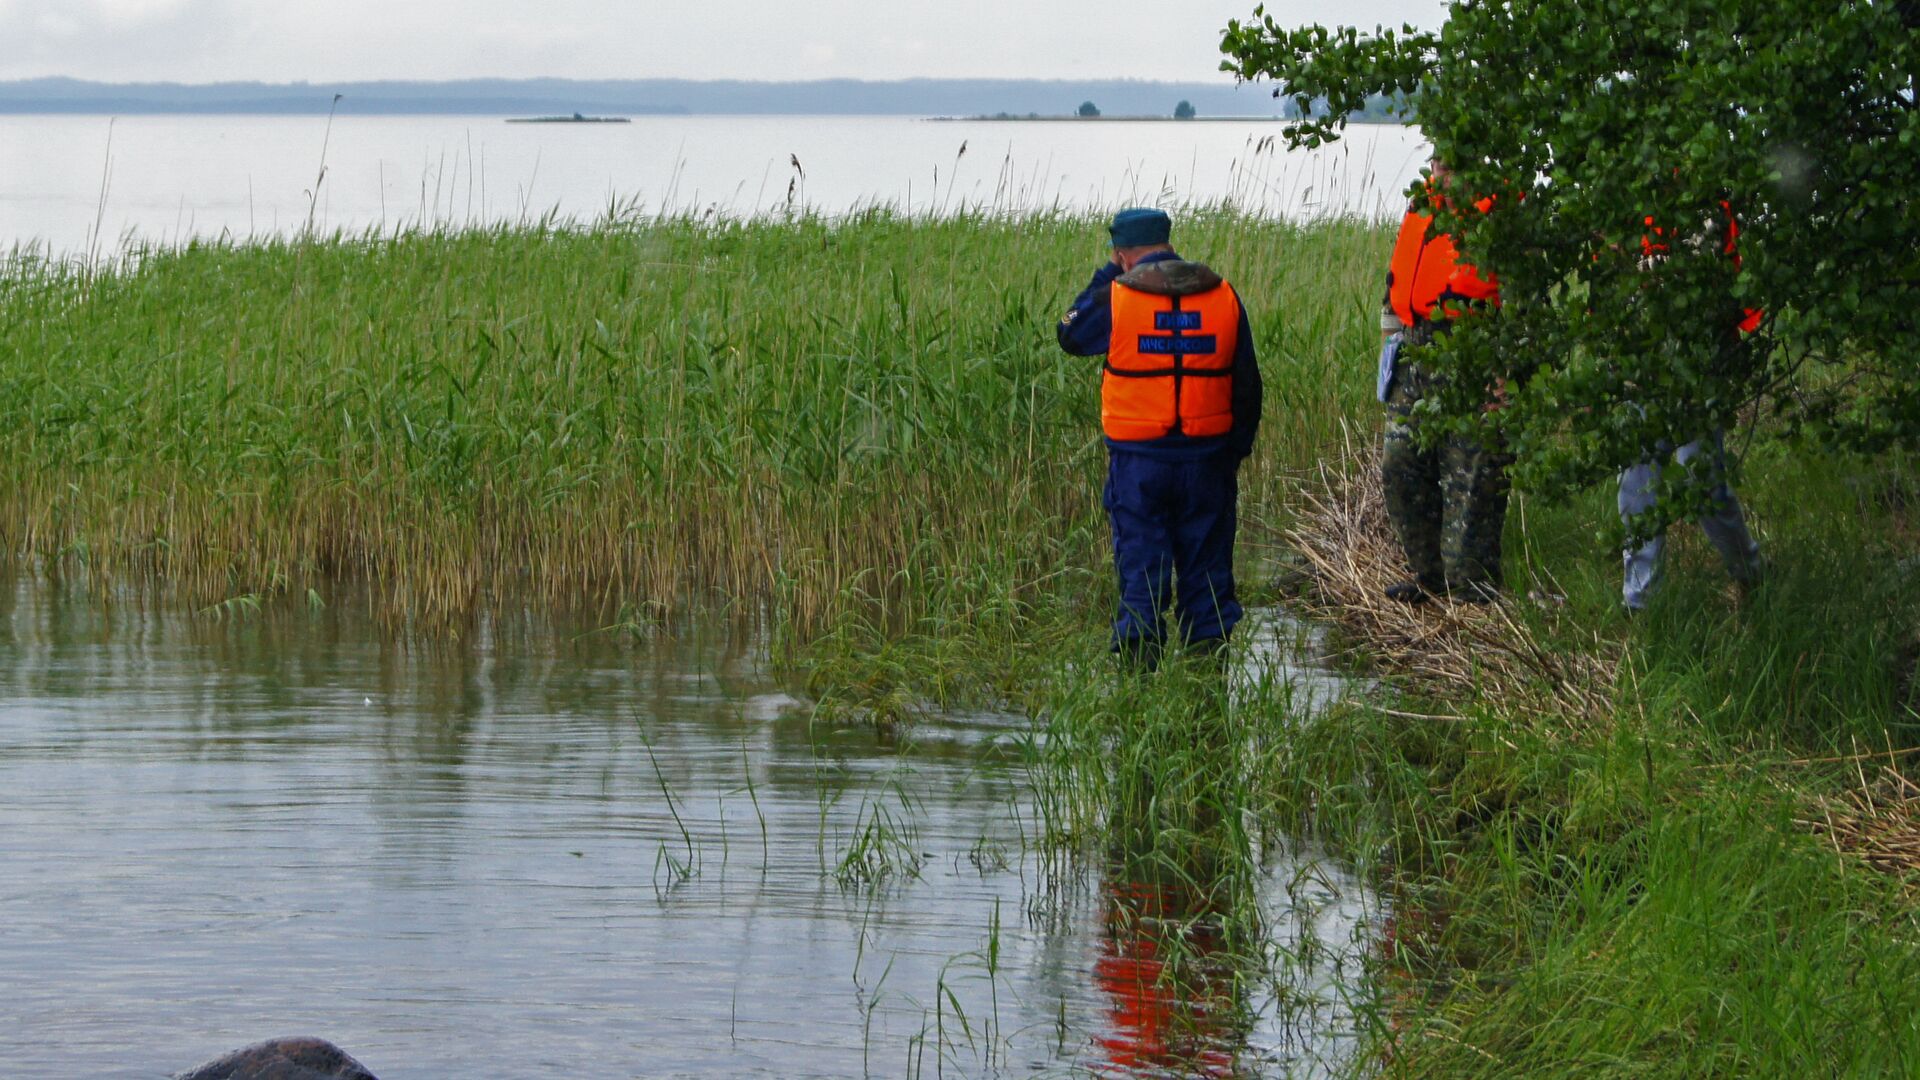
(1586, 120)
(1089, 110)
(1184, 110)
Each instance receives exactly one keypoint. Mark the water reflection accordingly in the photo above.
(551, 853)
(1183, 922)
(1177, 1002)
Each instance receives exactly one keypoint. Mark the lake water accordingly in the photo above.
(71, 183)
(548, 854)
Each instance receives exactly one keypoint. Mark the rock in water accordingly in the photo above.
(283, 1059)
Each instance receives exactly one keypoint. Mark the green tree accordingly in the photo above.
(1587, 120)
(1185, 111)
(1089, 110)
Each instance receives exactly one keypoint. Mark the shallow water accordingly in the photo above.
(547, 854)
(75, 184)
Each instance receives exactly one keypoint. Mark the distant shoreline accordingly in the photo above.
(576, 118)
(1107, 119)
(916, 98)
(1070, 119)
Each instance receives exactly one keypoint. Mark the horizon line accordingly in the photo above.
(376, 80)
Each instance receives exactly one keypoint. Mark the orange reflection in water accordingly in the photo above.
(1402, 935)
(1192, 1025)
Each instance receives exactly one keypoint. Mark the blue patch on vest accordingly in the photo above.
(1176, 320)
(1152, 345)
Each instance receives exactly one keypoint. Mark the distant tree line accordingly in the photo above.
(1089, 111)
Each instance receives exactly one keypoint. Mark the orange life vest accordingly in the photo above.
(1427, 272)
(1653, 244)
(1170, 364)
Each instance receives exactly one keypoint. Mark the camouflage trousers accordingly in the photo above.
(1448, 504)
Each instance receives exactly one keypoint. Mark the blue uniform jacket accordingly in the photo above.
(1087, 330)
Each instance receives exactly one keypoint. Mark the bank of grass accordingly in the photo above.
(863, 427)
(1654, 888)
(637, 413)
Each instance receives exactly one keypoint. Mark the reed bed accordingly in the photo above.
(634, 414)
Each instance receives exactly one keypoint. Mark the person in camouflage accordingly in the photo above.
(1447, 503)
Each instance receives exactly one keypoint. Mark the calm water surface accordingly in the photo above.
(74, 183)
(543, 855)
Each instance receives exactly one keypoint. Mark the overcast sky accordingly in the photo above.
(338, 40)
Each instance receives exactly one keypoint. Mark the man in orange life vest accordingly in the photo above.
(1448, 503)
(1180, 405)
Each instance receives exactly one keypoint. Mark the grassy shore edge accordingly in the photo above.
(863, 427)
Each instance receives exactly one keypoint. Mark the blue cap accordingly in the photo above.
(1141, 227)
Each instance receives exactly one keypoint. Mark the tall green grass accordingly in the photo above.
(631, 414)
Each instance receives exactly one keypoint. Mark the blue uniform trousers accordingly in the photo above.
(1173, 520)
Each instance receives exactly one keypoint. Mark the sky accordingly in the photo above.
(349, 40)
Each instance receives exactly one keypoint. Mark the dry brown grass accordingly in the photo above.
(1456, 650)
(1493, 654)
(1878, 821)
